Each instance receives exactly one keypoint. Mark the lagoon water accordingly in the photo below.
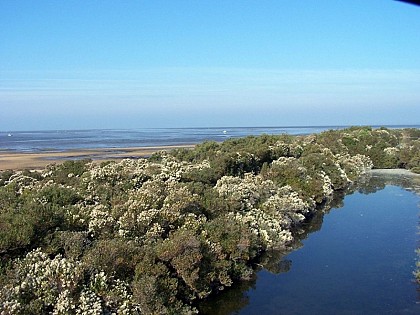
(357, 259)
(61, 140)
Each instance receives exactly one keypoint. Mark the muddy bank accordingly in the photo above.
(395, 171)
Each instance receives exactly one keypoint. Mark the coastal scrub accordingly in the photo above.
(155, 236)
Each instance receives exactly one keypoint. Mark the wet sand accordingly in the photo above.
(393, 171)
(19, 161)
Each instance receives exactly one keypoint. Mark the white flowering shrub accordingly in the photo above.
(20, 181)
(285, 200)
(152, 236)
(265, 226)
(100, 220)
(327, 186)
(392, 151)
(274, 217)
(246, 192)
(284, 149)
(43, 285)
(154, 209)
(355, 165)
(267, 210)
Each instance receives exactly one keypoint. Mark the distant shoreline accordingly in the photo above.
(10, 160)
(222, 127)
(393, 171)
(66, 140)
(35, 150)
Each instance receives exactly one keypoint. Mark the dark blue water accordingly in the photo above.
(60, 140)
(361, 261)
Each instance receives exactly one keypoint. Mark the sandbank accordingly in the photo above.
(392, 171)
(36, 160)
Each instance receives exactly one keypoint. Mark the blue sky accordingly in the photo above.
(134, 64)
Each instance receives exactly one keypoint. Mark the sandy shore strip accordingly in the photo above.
(393, 171)
(19, 161)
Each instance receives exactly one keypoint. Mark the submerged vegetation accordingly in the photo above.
(156, 236)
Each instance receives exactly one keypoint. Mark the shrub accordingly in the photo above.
(162, 233)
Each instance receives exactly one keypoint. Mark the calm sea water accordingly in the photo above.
(60, 140)
(79, 139)
(359, 259)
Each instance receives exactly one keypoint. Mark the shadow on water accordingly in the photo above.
(239, 297)
(233, 299)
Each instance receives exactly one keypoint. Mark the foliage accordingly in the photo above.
(155, 236)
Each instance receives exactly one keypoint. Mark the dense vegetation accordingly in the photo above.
(155, 236)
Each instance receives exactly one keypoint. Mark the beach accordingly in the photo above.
(36, 160)
(393, 172)
(35, 149)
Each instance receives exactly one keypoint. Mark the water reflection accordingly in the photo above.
(378, 179)
(275, 266)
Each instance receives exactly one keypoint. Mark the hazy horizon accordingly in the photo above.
(221, 128)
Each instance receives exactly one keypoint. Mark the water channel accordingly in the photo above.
(357, 258)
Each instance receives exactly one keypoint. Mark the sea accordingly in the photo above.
(64, 140)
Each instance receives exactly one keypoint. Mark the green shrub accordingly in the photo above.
(27, 225)
(116, 257)
(4, 177)
(179, 226)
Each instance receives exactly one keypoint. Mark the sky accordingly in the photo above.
(144, 64)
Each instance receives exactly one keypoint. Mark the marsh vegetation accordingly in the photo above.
(158, 235)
